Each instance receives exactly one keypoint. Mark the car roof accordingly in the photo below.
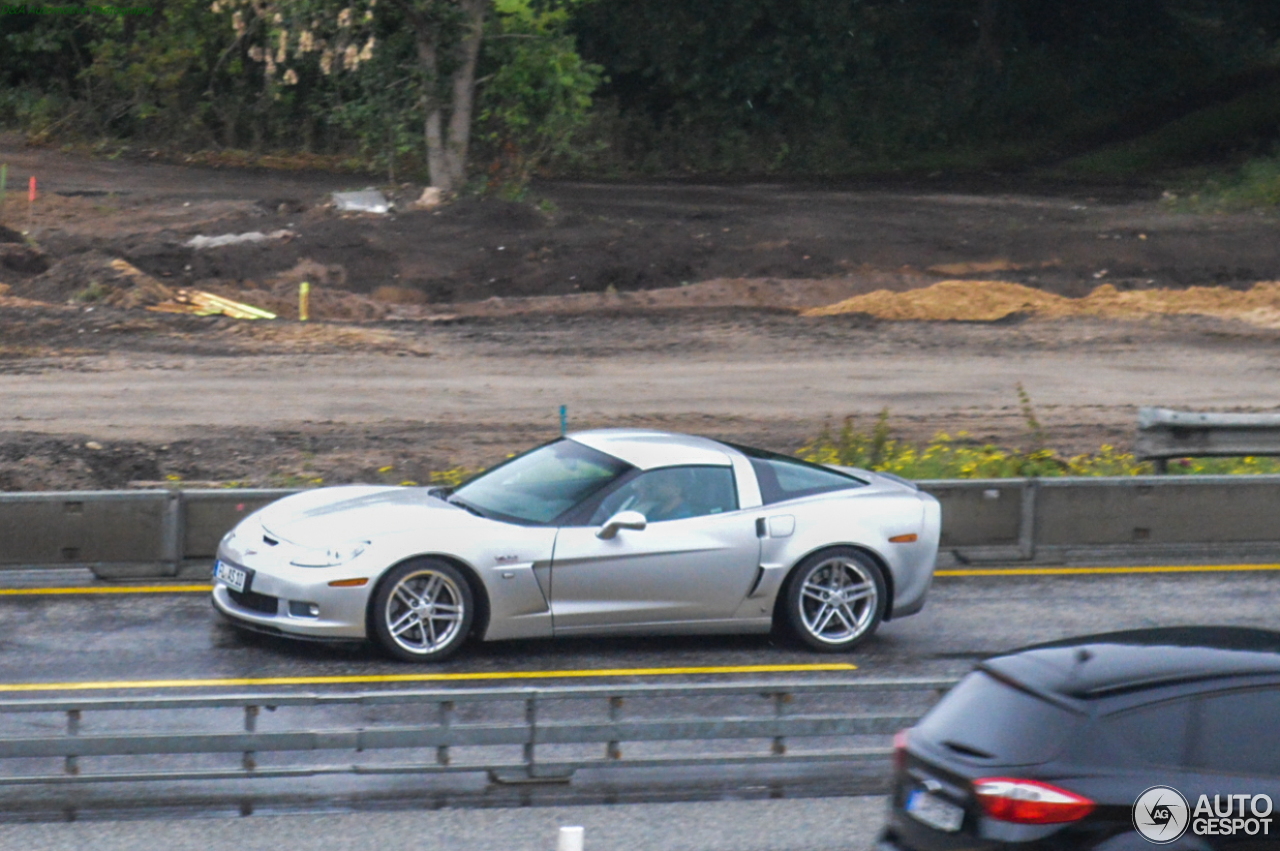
(1112, 663)
(648, 450)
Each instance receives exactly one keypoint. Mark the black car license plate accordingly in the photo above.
(934, 811)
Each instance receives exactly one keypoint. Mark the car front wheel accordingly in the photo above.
(836, 599)
(422, 611)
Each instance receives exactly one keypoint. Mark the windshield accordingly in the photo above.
(542, 484)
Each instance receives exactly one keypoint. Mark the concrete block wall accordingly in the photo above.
(123, 534)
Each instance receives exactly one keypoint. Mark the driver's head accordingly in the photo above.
(660, 488)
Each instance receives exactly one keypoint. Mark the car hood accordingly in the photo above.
(335, 515)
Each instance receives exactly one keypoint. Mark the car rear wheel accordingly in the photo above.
(836, 599)
(422, 611)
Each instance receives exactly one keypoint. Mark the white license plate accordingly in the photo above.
(934, 811)
(233, 577)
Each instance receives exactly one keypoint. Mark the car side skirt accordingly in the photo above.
(734, 626)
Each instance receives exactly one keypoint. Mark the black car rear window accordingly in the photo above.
(985, 720)
(782, 477)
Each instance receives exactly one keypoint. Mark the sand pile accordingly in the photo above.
(987, 301)
(322, 338)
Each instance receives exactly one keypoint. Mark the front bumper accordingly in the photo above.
(266, 605)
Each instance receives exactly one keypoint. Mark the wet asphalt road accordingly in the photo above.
(804, 825)
(115, 637)
(110, 638)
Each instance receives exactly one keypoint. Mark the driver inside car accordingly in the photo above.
(658, 495)
(661, 497)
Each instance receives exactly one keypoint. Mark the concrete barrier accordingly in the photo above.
(1134, 519)
(981, 513)
(1157, 511)
(122, 534)
(175, 533)
(127, 529)
(209, 514)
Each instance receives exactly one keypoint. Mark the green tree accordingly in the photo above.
(171, 74)
(536, 92)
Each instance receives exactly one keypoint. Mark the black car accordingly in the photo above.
(1129, 740)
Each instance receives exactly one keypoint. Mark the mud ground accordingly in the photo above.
(450, 337)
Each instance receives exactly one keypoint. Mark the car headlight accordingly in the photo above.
(329, 556)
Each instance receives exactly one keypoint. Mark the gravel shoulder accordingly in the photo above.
(484, 387)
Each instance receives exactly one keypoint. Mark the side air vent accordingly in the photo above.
(269, 541)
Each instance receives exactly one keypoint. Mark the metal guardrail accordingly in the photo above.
(447, 731)
(1165, 434)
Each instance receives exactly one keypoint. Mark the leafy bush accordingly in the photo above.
(1254, 186)
(947, 457)
(535, 95)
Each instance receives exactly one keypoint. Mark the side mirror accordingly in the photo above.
(622, 520)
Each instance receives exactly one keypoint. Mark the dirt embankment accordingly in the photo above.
(590, 242)
(664, 305)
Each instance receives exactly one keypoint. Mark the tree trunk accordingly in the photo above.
(464, 91)
(432, 129)
(990, 46)
(447, 140)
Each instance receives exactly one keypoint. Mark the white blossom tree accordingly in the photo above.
(337, 36)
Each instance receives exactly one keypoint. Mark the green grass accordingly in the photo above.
(1253, 186)
(1206, 135)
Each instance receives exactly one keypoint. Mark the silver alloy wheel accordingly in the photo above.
(424, 612)
(838, 600)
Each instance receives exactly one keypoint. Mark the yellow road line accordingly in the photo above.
(426, 678)
(1085, 571)
(96, 589)
(977, 571)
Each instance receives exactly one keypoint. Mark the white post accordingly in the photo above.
(571, 839)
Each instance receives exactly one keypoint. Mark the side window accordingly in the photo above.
(673, 493)
(1153, 735)
(787, 478)
(1237, 733)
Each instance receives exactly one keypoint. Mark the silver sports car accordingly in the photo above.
(601, 532)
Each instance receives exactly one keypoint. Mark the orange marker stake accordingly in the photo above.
(31, 202)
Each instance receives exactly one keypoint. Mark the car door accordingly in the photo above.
(1235, 750)
(693, 563)
(1209, 747)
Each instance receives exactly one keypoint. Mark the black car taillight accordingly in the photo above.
(1029, 801)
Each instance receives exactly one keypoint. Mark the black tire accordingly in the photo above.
(846, 577)
(422, 611)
